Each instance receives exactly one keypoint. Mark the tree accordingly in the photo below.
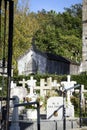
(25, 26)
(61, 33)
(58, 33)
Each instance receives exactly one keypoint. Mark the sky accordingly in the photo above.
(56, 5)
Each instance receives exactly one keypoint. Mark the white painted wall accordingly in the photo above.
(38, 58)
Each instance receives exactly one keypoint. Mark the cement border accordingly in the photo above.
(83, 128)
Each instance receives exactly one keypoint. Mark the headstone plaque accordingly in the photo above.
(55, 108)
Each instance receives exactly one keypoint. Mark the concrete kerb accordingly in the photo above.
(83, 128)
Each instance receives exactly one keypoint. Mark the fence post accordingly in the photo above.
(55, 124)
(15, 117)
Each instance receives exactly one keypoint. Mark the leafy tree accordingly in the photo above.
(61, 33)
(58, 33)
(25, 26)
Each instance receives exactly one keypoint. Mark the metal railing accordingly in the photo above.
(38, 110)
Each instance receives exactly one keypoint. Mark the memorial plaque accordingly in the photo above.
(55, 108)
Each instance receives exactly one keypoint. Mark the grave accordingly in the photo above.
(31, 85)
(48, 85)
(83, 91)
(18, 91)
(66, 85)
(55, 108)
(44, 85)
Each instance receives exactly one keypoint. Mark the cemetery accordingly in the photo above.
(47, 103)
(55, 106)
(51, 108)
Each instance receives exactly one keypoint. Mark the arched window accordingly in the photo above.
(31, 66)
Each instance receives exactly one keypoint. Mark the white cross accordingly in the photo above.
(31, 84)
(46, 86)
(82, 93)
(68, 84)
(13, 84)
(23, 82)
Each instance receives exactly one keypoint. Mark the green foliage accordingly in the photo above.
(23, 33)
(75, 102)
(81, 79)
(3, 86)
(61, 33)
(58, 33)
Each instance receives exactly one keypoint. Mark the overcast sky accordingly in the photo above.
(56, 5)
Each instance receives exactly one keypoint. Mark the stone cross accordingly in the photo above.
(13, 85)
(42, 87)
(68, 84)
(31, 84)
(55, 84)
(46, 86)
(49, 82)
(82, 93)
(23, 82)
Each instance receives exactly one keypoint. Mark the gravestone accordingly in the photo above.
(69, 110)
(68, 84)
(31, 85)
(47, 86)
(55, 108)
(19, 91)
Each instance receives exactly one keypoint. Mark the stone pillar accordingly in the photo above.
(15, 117)
(83, 66)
